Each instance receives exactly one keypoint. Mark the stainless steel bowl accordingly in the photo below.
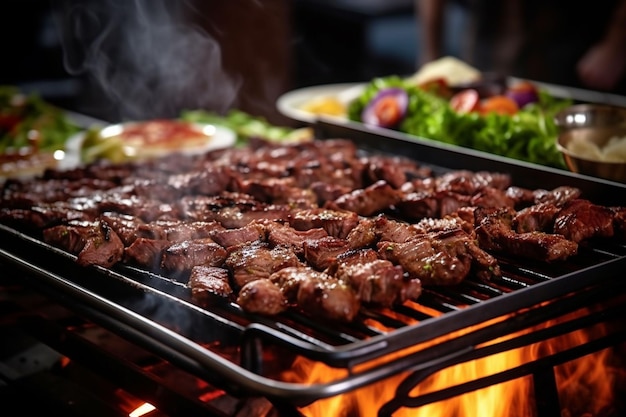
(595, 124)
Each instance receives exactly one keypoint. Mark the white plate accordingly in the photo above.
(221, 137)
(292, 104)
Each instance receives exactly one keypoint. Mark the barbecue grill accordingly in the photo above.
(244, 354)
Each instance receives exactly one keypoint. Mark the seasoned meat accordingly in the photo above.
(423, 259)
(352, 256)
(262, 296)
(419, 204)
(394, 170)
(280, 234)
(373, 199)
(320, 253)
(207, 282)
(337, 223)
(535, 218)
(394, 230)
(124, 225)
(183, 256)
(235, 217)
(580, 220)
(325, 191)
(94, 243)
(494, 233)
(179, 231)
(209, 180)
(558, 196)
(146, 253)
(379, 282)
(257, 260)
(317, 293)
(249, 233)
(491, 197)
(363, 234)
(469, 183)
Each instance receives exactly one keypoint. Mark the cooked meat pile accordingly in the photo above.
(316, 226)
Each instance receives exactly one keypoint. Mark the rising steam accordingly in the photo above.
(144, 58)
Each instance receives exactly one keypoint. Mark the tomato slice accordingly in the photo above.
(499, 104)
(465, 101)
(388, 111)
(437, 86)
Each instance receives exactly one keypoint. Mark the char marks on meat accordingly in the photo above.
(580, 220)
(316, 226)
(495, 233)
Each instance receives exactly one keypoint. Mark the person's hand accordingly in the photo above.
(603, 66)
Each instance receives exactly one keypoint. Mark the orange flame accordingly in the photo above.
(584, 385)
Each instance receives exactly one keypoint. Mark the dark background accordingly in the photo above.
(265, 49)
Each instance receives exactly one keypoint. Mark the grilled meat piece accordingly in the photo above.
(491, 197)
(580, 220)
(207, 282)
(255, 231)
(25, 194)
(317, 293)
(427, 259)
(209, 180)
(278, 191)
(420, 204)
(280, 234)
(124, 225)
(368, 201)
(183, 256)
(337, 223)
(352, 256)
(328, 191)
(450, 222)
(363, 234)
(146, 253)
(235, 217)
(393, 170)
(469, 183)
(394, 230)
(42, 216)
(558, 196)
(257, 260)
(327, 297)
(262, 296)
(536, 218)
(379, 282)
(494, 233)
(320, 253)
(94, 243)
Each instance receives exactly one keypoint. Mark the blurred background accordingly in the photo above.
(136, 59)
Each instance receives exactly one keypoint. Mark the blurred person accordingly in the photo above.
(575, 43)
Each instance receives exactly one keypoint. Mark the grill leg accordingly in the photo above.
(546, 393)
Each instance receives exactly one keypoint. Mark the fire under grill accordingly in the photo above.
(245, 355)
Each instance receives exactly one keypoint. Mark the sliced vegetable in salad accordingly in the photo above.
(247, 126)
(30, 124)
(516, 123)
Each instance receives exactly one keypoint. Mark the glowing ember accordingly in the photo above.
(142, 410)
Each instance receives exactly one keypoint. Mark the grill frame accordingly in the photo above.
(55, 273)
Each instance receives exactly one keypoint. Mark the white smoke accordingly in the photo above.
(146, 58)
